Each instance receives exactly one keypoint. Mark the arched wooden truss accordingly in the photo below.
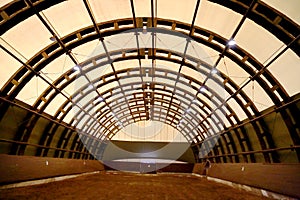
(137, 95)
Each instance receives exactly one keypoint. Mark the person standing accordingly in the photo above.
(207, 165)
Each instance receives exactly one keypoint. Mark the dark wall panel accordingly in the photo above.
(279, 178)
(22, 168)
(161, 150)
(149, 167)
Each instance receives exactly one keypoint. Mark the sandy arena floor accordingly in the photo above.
(111, 185)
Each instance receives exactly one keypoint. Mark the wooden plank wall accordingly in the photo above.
(23, 168)
(279, 178)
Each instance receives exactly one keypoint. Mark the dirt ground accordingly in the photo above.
(121, 185)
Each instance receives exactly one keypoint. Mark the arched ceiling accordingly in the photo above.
(99, 66)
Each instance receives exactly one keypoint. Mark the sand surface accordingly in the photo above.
(131, 186)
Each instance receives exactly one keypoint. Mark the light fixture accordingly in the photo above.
(119, 123)
(76, 68)
(144, 29)
(202, 89)
(52, 38)
(231, 42)
(91, 86)
(214, 71)
(99, 99)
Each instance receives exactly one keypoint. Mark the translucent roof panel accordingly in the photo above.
(32, 90)
(124, 40)
(28, 37)
(171, 10)
(237, 109)
(290, 8)
(233, 71)
(4, 2)
(205, 54)
(126, 64)
(87, 50)
(149, 131)
(67, 17)
(52, 107)
(218, 19)
(258, 95)
(58, 67)
(110, 10)
(199, 51)
(286, 70)
(8, 66)
(142, 8)
(173, 67)
(257, 41)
